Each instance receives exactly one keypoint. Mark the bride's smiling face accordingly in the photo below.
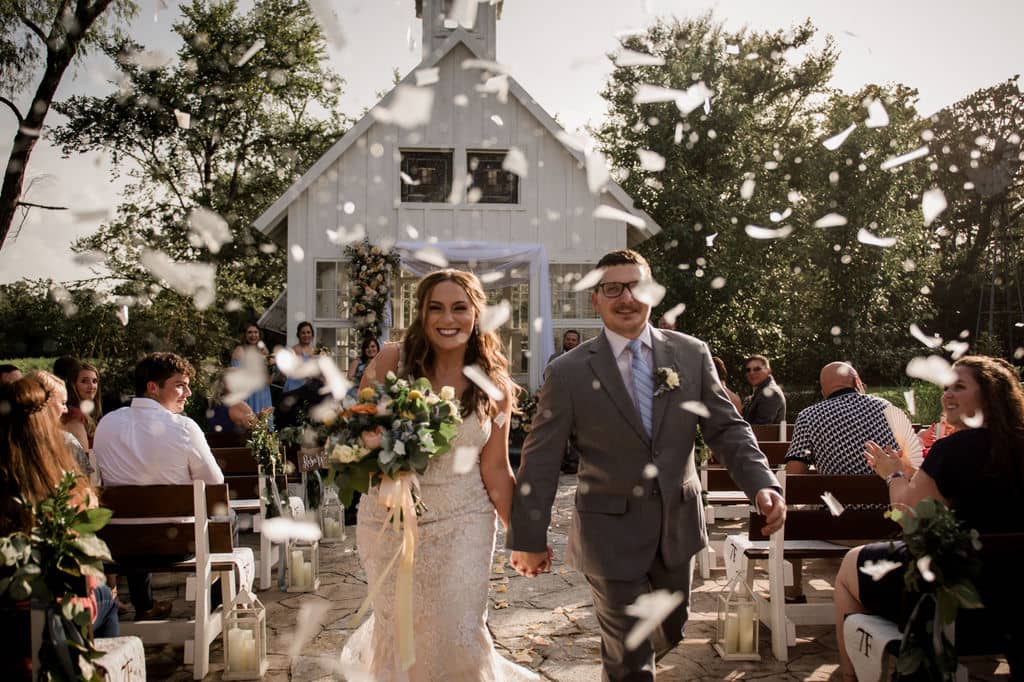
(448, 316)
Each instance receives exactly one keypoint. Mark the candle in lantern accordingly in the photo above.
(746, 628)
(732, 632)
(242, 650)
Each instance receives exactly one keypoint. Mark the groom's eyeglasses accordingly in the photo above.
(615, 289)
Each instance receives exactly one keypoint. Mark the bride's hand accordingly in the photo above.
(531, 564)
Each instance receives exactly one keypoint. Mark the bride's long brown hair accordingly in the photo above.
(483, 349)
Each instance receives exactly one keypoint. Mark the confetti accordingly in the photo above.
(957, 348)
(897, 161)
(696, 95)
(147, 60)
(933, 203)
(251, 52)
(830, 220)
(879, 569)
(650, 94)
(183, 119)
(933, 368)
(483, 382)
(933, 341)
(325, 14)
(188, 279)
(632, 58)
(342, 236)
(410, 107)
(673, 313)
(122, 315)
(975, 420)
(432, 256)
(709, 241)
(924, 565)
(768, 233)
(494, 316)
(598, 174)
(833, 143)
(908, 398)
(515, 162)
(311, 616)
(484, 65)
(747, 189)
(650, 610)
(496, 85)
(605, 212)
(427, 76)
(337, 383)
(649, 292)
(589, 280)
(696, 407)
(865, 237)
(280, 529)
(465, 457)
(878, 117)
(497, 120)
(834, 506)
(207, 228)
(651, 161)
(777, 217)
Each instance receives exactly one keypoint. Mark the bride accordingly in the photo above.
(456, 534)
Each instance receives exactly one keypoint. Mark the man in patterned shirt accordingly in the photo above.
(830, 435)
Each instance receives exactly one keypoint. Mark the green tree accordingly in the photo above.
(253, 128)
(41, 38)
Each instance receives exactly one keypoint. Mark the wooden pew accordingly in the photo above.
(810, 532)
(155, 529)
(226, 439)
(772, 431)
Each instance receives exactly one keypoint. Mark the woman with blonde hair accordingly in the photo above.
(456, 534)
(73, 430)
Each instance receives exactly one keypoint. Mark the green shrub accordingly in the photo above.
(27, 365)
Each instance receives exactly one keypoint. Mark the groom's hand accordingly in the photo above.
(773, 507)
(531, 564)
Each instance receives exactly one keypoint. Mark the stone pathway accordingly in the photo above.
(546, 623)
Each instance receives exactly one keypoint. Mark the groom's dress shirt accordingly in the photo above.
(624, 359)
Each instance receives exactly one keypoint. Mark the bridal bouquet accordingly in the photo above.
(391, 431)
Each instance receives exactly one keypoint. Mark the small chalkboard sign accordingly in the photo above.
(311, 459)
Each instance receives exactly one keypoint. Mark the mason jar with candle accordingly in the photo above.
(245, 638)
(736, 631)
(303, 566)
(332, 518)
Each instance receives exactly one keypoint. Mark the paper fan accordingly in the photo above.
(906, 440)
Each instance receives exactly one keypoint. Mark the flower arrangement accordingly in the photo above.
(667, 379)
(369, 269)
(48, 566)
(392, 429)
(266, 450)
(939, 575)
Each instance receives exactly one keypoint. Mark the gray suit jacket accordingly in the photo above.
(766, 409)
(621, 517)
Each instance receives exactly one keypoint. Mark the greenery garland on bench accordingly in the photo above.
(266, 450)
(48, 566)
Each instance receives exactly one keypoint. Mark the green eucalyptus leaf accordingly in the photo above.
(90, 545)
(91, 520)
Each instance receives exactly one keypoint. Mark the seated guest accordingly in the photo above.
(57, 404)
(934, 432)
(223, 418)
(33, 465)
(723, 374)
(9, 374)
(766, 404)
(151, 442)
(74, 420)
(86, 396)
(978, 472)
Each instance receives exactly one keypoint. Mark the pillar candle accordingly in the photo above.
(732, 633)
(746, 626)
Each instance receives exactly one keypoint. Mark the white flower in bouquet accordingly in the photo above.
(433, 399)
(447, 393)
(399, 448)
(346, 454)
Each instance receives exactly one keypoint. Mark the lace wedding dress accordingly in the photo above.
(454, 549)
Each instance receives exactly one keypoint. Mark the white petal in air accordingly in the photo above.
(409, 107)
(649, 292)
(281, 529)
(408, 180)
(497, 120)
(649, 94)
(651, 161)
(747, 189)
(933, 203)
(188, 279)
(924, 565)
(589, 280)
(432, 255)
(465, 457)
(930, 341)
(183, 119)
(673, 313)
(768, 233)
(957, 348)
(878, 117)
(298, 253)
(497, 85)
(833, 143)
(696, 95)
(343, 236)
(605, 212)
(251, 52)
(515, 162)
(896, 161)
(336, 382)
(209, 229)
(732, 49)
(597, 171)
(147, 60)
(709, 241)
(427, 76)
(974, 421)
(835, 507)
(325, 14)
(484, 65)
(777, 217)
(879, 569)
(572, 141)
(908, 398)
(633, 58)
(830, 220)
(122, 315)
(483, 382)
(696, 407)
(865, 237)
(933, 368)
(495, 316)
(463, 13)
(650, 610)
(312, 614)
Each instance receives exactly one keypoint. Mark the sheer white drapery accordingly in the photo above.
(491, 257)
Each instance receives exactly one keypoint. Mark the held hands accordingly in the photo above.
(886, 461)
(531, 564)
(773, 507)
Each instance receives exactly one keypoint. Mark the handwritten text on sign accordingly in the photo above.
(312, 459)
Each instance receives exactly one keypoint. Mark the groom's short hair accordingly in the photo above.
(624, 257)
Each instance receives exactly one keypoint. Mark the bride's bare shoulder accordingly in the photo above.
(385, 361)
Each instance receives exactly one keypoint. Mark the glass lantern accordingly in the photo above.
(736, 634)
(332, 518)
(303, 566)
(245, 638)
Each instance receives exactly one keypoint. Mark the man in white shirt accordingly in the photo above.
(152, 443)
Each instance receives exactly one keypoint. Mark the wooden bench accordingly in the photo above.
(873, 642)
(771, 431)
(810, 532)
(154, 529)
(226, 439)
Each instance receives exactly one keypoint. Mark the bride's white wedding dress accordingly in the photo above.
(454, 549)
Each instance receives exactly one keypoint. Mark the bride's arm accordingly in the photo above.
(494, 466)
(385, 361)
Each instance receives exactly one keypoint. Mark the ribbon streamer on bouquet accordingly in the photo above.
(396, 495)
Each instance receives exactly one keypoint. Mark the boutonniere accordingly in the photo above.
(667, 380)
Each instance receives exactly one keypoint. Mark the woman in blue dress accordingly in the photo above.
(367, 351)
(303, 349)
(252, 340)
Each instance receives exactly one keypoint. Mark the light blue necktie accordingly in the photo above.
(643, 384)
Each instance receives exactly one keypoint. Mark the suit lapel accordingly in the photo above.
(663, 357)
(602, 363)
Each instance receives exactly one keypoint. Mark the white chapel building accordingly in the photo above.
(430, 184)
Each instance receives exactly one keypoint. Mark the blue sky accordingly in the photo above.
(944, 48)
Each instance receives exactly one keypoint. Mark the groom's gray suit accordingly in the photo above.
(630, 533)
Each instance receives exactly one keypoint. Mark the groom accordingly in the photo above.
(639, 519)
